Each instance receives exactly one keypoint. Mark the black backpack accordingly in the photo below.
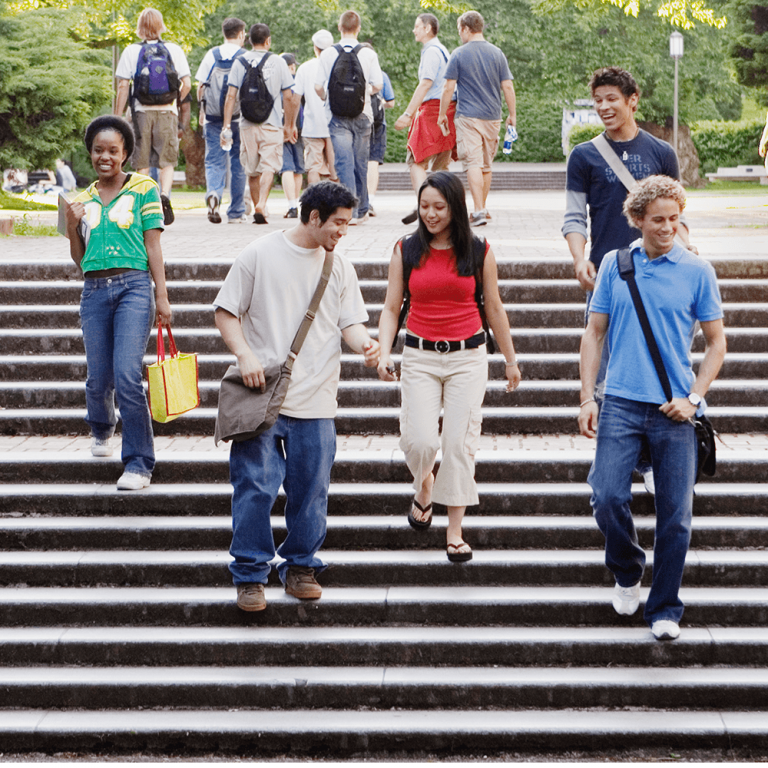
(377, 108)
(217, 84)
(411, 243)
(256, 101)
(156, 80)
(346, 85)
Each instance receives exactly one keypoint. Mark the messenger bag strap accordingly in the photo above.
(309, 316)
(627, 273)
(614, 162)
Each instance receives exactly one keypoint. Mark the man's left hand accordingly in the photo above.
(678, 409)
(371, 353)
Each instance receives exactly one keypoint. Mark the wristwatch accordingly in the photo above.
(694, 399)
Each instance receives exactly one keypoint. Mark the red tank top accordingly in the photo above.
(443, 303)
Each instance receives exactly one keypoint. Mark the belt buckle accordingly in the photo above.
(442, 347)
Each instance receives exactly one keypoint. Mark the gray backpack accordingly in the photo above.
(216, 86)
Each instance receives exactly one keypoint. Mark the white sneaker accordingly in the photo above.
(626, 599)
(101, 448)
(239, 220)
(665, 629)
(132, 481)
(478, 219)
(650, 483)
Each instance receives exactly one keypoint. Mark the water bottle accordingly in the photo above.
(509, 139)
(227, 136)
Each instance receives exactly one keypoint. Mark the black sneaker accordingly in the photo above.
(213, 209)
(411, 217)
(168, 217)
(293, 213)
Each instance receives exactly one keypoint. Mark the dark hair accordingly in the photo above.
(325, 197)
(232, 27)
(259, 34)
(617, 77)
(430, 20)
(110, 123)
(289, 58)
(450, 187)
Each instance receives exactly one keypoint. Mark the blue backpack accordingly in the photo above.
(156, 80)
(216, 86)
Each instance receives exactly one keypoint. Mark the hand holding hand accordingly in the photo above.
(386, 369)
(371, 353)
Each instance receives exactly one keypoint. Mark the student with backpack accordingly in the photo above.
(159, 74)
(347, 74)
(258, 78)
(213, 82)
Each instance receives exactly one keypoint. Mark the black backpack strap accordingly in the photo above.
(627, 273)
(407, 243)
(479, 247)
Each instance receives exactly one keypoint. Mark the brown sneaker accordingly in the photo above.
(250, 597)
(300, 582)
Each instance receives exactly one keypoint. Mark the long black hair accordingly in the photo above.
(450, 187)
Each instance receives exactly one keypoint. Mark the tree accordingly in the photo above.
(749, 46)
(50, 87)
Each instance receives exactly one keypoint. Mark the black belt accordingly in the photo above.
(444, 346)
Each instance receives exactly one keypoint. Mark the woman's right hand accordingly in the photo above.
(386, 369)
(74, 212)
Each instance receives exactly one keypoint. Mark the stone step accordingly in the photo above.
(353, 533)
(398, 647)
(562, 466)
(349, 569)
(379, 420)
(541, 367)
(383, 688)
(373, 394)
(348, 499)
(467, 606)
(448, 732)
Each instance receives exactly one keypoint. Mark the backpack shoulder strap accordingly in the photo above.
(407, 244)
(479, 248)
(217, 57)
(356, 49)
(263, 61)
(626, 264)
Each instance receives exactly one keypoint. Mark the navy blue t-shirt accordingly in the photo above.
(589, 174)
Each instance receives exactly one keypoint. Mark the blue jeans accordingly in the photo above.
(351, 139)
(117, 314)
(216, 160)
(622, 427)
(299, 454)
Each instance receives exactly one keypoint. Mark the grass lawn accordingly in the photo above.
(724, 186)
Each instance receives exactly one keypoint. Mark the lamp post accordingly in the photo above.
(676, 52)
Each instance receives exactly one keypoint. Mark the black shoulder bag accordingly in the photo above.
(705, 433)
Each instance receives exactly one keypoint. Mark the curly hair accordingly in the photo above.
(650, 189)
(325, 197)
(110, 123)
(617, 77)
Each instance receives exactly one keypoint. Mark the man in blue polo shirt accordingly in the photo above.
(677, 288)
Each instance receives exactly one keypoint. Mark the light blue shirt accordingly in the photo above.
(432, 66)
(677, 289)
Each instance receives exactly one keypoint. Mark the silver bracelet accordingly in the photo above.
(586, 402)
(514, 362)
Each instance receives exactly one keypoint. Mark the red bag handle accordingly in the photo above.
(161, 344)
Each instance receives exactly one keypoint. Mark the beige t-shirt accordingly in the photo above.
(269, 288)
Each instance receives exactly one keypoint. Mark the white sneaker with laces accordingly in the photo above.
(649, 482)
(626, 599)
(665, 629)
(132, 481)
(101, 448)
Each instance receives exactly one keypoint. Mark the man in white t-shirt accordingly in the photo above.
(351, 135)
(258, 311)
(318, 149)
(214, 67)
(156, 124)
(261, 144)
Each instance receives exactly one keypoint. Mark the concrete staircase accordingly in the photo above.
(118, 629)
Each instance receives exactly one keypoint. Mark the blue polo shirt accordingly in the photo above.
(677, 289)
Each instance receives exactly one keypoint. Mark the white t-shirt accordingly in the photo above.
(276, 75)
(126, 69)
(317, 113)
(369, 61)
(227, 50)
(269, 288)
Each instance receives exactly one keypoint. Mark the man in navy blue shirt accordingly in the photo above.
(677, 288)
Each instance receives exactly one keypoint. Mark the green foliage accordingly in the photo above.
(721, 144)
(9, 202)
(27, 228)
(581, 133)
(749, 43)
(50, 87)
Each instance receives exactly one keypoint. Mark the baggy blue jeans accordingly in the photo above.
(299, 454)
(117, 314)
(621, 428)
(216, 160)
(351, 139)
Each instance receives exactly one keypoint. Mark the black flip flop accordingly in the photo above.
(420, 525)
(259, 218)
(456, 556)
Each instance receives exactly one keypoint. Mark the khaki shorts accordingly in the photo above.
(316, 157)
(157, 139)
(261, 148)
(477, 141)
(438, 162)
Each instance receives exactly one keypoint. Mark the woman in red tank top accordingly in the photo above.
(445, 363)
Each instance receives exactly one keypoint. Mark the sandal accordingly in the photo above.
(420, 525)
(456, 556)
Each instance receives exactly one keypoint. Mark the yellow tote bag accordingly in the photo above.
(173, 388)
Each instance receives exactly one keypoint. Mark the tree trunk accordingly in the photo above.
(193, 146)
(687, 156)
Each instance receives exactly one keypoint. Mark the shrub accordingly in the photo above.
(581, 133)
(724, 144)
